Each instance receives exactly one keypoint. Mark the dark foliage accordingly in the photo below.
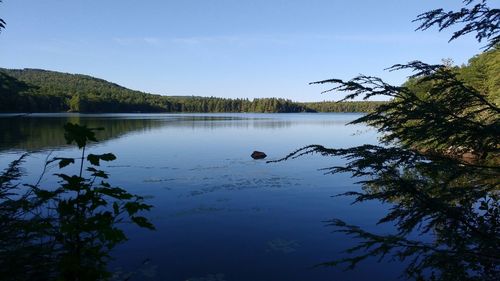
(2, 22)
(33, 90)
(64, 232)
(450, 210)
(438, 163)
(343, 106)
(449, 117)
(475, 17)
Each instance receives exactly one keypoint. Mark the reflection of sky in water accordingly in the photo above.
(219, 214)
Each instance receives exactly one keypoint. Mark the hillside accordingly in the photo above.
(482, 72)
(37, 90)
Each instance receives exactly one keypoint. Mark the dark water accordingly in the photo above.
(219, 214)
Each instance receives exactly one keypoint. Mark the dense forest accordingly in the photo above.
(437, 166)
(35, 90)
(480, 73)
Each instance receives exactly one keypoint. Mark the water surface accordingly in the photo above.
(219, 214)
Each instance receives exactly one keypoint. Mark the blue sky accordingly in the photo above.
(225, 48)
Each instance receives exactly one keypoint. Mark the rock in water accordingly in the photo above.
(258, 155)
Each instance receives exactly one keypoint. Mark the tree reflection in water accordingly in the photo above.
(439, 168)
(450, 209)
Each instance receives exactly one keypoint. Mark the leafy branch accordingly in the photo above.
(65, 232)
(476, 17)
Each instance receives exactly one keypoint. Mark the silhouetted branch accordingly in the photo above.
(476, 18)
(2, 22)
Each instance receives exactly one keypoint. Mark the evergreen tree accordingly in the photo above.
(439, 162)
(2, 22)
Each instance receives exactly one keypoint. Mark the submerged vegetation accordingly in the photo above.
(34, 90)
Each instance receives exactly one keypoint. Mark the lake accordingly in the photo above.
(219, 214)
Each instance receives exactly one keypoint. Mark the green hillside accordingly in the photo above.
(482, 72)
(36, 90)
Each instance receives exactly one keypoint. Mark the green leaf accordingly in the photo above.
(116, 208)
(100, 174)
(134, 207)
(114, 192)
(79, 134)
(108, 157)
(74, 183)
(63, 162)
(114, 235)
(44, 195)
(94, 159)
(143, 222)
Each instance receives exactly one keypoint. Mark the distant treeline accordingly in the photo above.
(35, 90)
(347, 106)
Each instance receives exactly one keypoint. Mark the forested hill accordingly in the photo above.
(482, 72)
(36, 90)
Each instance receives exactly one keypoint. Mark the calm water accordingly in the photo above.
(219, 214)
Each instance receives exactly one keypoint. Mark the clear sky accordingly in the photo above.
(225, 48)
